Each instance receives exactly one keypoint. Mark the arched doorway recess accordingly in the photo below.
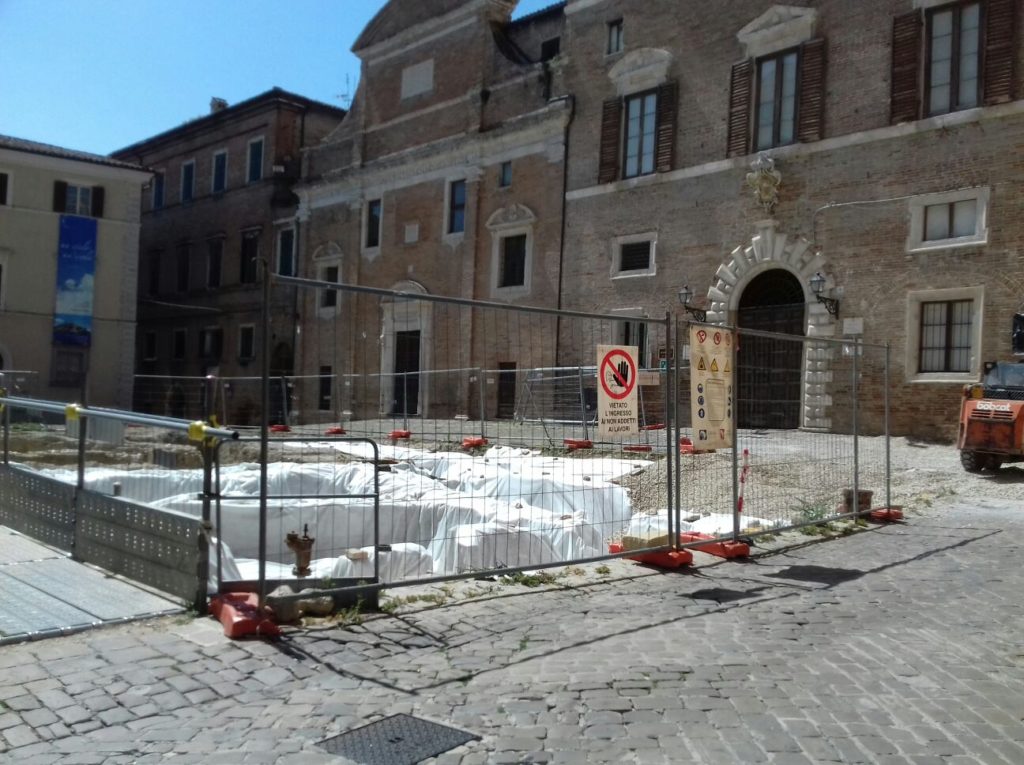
(769, 369)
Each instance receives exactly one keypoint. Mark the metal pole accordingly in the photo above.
(405, 400)
(673, 508)
(218, 527)
(203, 569)
(736, 451)
(7, 433)
(856, 427)
(583, 404)
(264, 431)
(674, 365)
(888, 445)
(83, 426)
(483, 404)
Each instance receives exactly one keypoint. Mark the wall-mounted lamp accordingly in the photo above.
(817, 287)
(685, 296)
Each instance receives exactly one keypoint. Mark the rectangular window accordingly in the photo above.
(158, 191)
(505, 175)
(641, 130)
(946, 333)
(456, 207)
(324, 393)
(329, 298)
(513, 261)
(954, 57)
(219, 177)
(249, 258)
(149, 346)
(255, 168)
(246, 342)
(188, 181)
(68, 367)
(182, 268)
(776, 100)
(550, 48)
(635, 256)
(154, 272)
(79, 200)
(286, 252)
(951, 220)
(214, 260)
(180, 343)
(211, 341)
(614, 37)
(4, 182)
(418, 79)
(373, 220)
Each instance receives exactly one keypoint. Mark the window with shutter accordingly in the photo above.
(3, 188)
(668, 100)
(952, 73)
(905, 100)
(611, 119)
(740, 90)
(811, 104)
(1002, 19)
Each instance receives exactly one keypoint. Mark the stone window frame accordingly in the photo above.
(956, 8)
(776, 139)
(248, 159)
(615, 39)
(913, 334)
(616, 255)
(364, 235)
(915, 236)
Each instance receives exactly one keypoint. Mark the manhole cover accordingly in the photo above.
(396, 740)
(721, 595)
(821, 574)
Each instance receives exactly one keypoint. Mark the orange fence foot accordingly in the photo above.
(240, 614)
(577, 443)
(472, 442)
(334, 432)
(280, 429)
(724, 549)
(887, 515)
(637, 448)
(666, 559)
(399, 435)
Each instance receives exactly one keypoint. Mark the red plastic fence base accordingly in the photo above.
(686, 447)
(657, 426)
(578, 443)
(240, 614)
(666, 559)
(637, 448)
(471, 442)
(280, 429)
(887, 514)
(725, 549)
(399, 435)
(334, 432)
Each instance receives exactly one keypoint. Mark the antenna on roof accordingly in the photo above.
(346, 97)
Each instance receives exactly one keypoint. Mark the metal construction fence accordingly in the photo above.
(433, 438)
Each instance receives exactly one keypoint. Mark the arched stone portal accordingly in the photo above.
(769, 250)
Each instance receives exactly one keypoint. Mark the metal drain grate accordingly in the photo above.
(396, 740)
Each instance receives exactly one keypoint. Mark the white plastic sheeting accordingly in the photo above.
(507, 508)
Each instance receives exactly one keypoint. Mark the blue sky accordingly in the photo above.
(98, 75)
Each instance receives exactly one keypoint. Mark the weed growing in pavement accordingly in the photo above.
(602, 570)
(809, 512)
(529, 580)
(392, 604)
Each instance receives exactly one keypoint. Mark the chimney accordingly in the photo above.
(217, 105)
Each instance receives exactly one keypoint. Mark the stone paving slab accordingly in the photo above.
(903, 647)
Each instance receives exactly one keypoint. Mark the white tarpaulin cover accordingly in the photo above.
(507, 508)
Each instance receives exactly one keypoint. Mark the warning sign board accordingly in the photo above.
(712, 387)
(616, 391)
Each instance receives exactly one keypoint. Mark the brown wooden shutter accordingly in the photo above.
(905, 99)
(60, 196)
(668, 108)
(97, 201)
(611, 131)
(811, 125)
(738, 139)
(1000, 27)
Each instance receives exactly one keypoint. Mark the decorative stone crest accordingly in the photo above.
(765, 181)
(513, 215)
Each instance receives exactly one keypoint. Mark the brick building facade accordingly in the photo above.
(220, 201)
(884, 137)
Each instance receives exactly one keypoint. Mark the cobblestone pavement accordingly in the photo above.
(901, 644)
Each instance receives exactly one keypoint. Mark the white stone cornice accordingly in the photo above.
(778, 28)
(640, 70)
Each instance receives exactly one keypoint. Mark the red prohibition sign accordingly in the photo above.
(608, 365)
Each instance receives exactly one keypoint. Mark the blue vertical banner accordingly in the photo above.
(76, 269)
